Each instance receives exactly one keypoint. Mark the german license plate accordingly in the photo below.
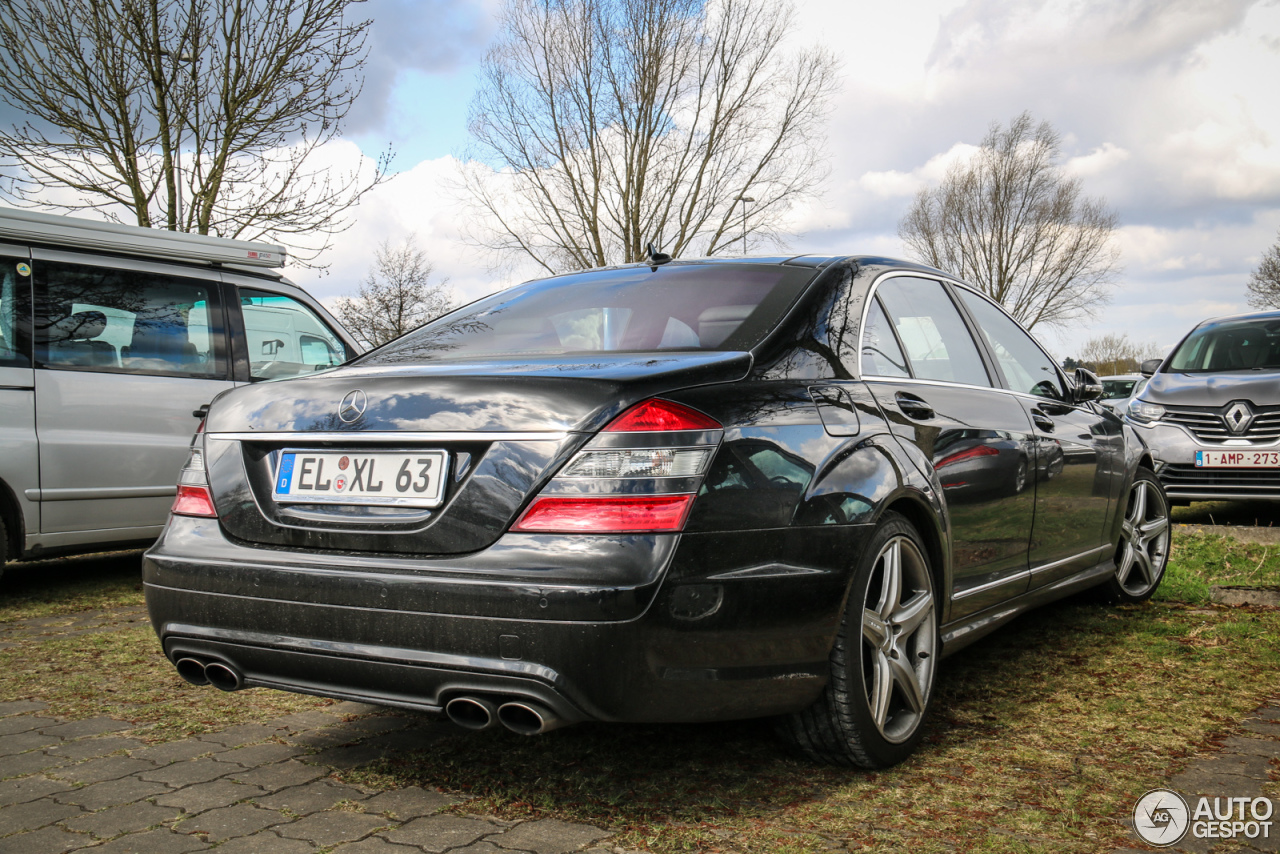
(391, 478)
(1238, 459)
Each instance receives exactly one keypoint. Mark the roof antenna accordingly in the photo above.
(654, 257)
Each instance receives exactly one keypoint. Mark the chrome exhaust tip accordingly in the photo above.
(473, 713)
(192, 670)
(528, 718)
(223, 677)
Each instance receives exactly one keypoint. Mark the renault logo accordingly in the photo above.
(352, 406)
(1238, 417)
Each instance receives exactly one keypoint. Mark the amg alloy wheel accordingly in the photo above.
(884, 661)
(1143, 550)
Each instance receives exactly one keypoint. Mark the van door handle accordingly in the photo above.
(913, 407)
(1044, 422)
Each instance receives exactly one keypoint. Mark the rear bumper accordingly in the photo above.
(667, 628)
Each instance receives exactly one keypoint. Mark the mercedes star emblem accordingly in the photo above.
(352, 406)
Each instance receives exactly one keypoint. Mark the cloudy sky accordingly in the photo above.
(1168, 110)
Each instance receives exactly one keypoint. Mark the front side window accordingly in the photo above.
(632, 309)
(935, 338)
(285, 337)
(1232, 345)
(15, 306)
(124, 321)
(1026, 367)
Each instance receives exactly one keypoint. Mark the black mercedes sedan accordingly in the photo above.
(681, 491)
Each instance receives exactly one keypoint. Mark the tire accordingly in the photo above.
(1021, 477)
(883, 664)
(4, 546)
(1143, 551)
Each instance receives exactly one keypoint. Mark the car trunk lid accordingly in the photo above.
(501, 428)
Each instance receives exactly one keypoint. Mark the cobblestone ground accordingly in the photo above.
(253, 789)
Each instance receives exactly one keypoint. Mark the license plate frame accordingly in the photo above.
(381, 467)
(1238, 459)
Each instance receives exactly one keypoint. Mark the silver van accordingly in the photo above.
(112, 338)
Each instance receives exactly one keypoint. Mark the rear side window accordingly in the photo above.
(15, 305)
(285, 337)
(124, 321)
(703, 307)
(936, 340)
(881, 355)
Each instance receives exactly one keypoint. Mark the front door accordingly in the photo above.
(1073, 490)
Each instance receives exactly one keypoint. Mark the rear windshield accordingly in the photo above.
(703, 307)
(1235, 345)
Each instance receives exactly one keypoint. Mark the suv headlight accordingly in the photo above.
(1140, 410)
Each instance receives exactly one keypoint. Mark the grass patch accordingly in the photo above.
(124, 675)
(1043, 736)
(1198, 561)
(50, 588)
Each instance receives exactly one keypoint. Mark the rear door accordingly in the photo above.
(936, 389)
(1073, 441)
(125, 350)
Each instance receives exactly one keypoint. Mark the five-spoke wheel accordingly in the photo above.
(899, 632)
(1143, 550)
(884, 660)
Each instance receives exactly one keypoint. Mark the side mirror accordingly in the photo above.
(1150, 366)
(1088, 386)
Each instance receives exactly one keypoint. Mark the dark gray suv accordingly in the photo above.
(1211, 411)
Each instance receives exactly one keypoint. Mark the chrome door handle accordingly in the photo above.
(913, 407)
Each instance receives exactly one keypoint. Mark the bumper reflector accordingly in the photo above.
(612, 515)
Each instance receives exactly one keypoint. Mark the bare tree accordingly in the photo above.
(1112, 353)
(396, 297)
(602, 125)
(1264, 282)
(192, 115)
(1011, 223)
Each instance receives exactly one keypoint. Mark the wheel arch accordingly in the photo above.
(14, 521)
(923, 518)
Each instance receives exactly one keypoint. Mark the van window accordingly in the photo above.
(15, 304)
(285, 337)
(126, 321)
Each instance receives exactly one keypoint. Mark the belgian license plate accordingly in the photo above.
(1238, 459)
(391, 478)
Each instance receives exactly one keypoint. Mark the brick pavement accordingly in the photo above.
(252, 789)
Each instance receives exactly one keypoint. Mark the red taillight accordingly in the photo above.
(980, 451)
(194, 501)
(659, 414)
(612, 515)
